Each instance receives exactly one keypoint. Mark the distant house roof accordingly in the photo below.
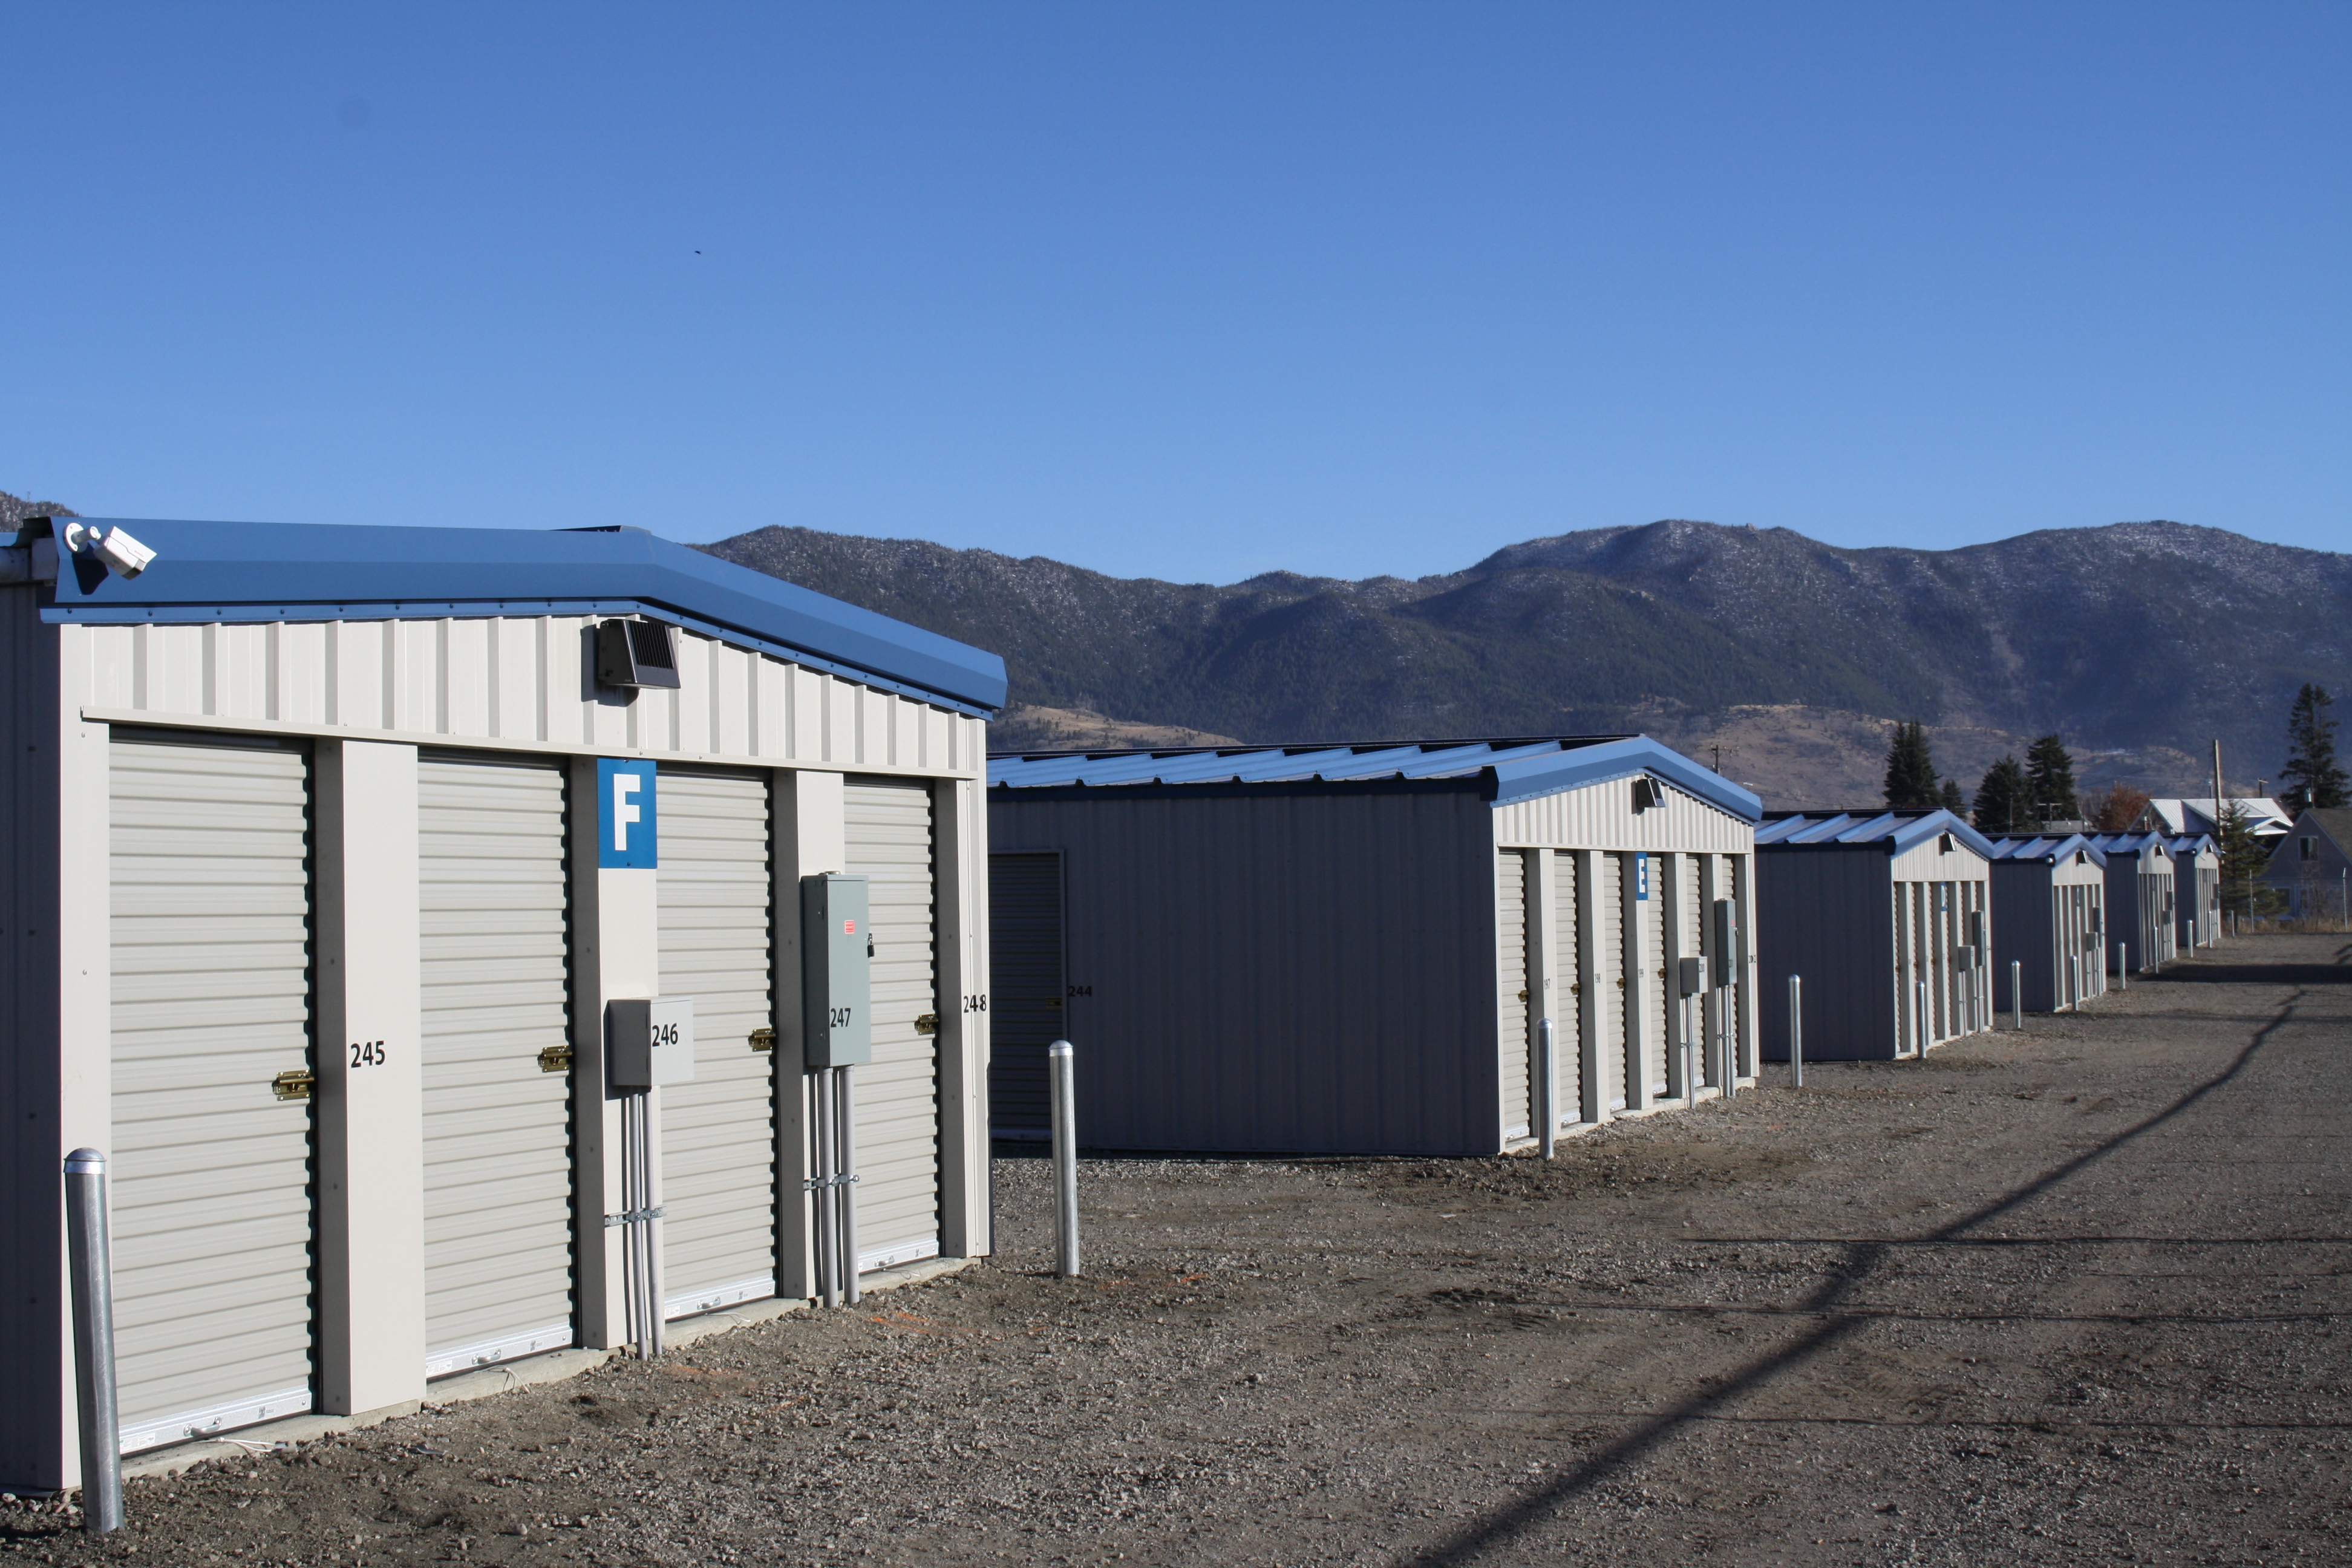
(2047, 848)
(1506, 770)
(1898, 830)
(2132, 843)
(311, 571)
(2195, 814)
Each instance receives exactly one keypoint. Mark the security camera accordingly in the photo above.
(112, 545)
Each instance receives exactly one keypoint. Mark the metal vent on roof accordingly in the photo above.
(1647, 792)
(636, 653)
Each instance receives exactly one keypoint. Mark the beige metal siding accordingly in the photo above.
(211, 1179)
(1601, 816)
(1609, 972)
(890, 844)
(1025, 988)
(498, 1129)
(718, 1133)
(1511, 987)
(508, 679)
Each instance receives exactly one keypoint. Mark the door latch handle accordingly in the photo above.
(929, 1024)
(296, 1083)
(763, 1039)
(555, 1058)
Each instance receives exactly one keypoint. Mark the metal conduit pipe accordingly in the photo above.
(90, 1259)
(845, 1186)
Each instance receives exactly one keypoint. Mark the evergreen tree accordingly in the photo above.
(2311, 776)
(1953, 800)
(2001, 800)
(2050, 782)
(1910, 769)
(2243, 860)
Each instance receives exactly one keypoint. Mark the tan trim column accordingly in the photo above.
(1743, 882)
(369, 1067)
(810, 836)
(959, 809)
(615, 953)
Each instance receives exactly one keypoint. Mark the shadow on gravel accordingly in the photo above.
(1468, 1544)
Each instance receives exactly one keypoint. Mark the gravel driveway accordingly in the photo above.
(2065, 1296)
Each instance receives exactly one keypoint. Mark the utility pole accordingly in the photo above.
(2216, 788)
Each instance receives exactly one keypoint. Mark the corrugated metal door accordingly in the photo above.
(1609, 974)
(1024, 989)
(891, 844)
(719, 1132)
(1568, 994)
(1511, 987)
(497, 993)
(210, 1171)
(1653, 978)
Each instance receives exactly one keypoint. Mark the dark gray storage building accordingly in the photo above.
(1348, 949)
(1884, 915)
(2049, 918)
(2196, 890)
(2141, 881)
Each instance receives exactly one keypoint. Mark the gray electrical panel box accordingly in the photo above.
(649, 1041)
(1689, 981)
(836, 972)
(1726, 942)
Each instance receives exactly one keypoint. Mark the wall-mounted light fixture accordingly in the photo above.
(636, 653)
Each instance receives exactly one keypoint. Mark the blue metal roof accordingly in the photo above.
(1897, 832)
(1513, 770)
(2130, 843)
(2046, 847)
(309, 571)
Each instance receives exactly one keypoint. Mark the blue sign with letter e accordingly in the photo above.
(1641, 875)
(625, 823)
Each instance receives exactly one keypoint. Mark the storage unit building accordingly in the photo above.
(2196, 890)
(1350, 949)
(1886, 916)
(333, 845)
(2049, 920)
(2140, 898)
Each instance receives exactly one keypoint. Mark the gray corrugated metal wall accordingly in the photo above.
(890, 844)
(34, 1374)
(2028, 922)
(210, 1179)
(496, 992)
(1025, 988)
(718, 1133)
(1826, 914)
(1352, 937)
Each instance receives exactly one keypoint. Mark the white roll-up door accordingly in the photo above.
(891, 844)
(1609, 974)
(210, 1174)
(1568, 994)
(1653, 910)
(1025, 988)
(719, 1132)
(1511, 987)
(497, 1123)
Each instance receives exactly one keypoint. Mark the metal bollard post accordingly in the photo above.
(1066, 1159)
(1796, 1031)
(1547, 1096)
(2123, 975)
(93, 1333)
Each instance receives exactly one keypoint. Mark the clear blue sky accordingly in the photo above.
(1187, 289)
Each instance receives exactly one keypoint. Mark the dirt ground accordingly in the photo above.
(2068, 1296)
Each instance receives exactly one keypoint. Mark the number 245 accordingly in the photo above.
(367, 1053)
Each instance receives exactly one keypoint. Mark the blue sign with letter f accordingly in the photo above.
(626, 827)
